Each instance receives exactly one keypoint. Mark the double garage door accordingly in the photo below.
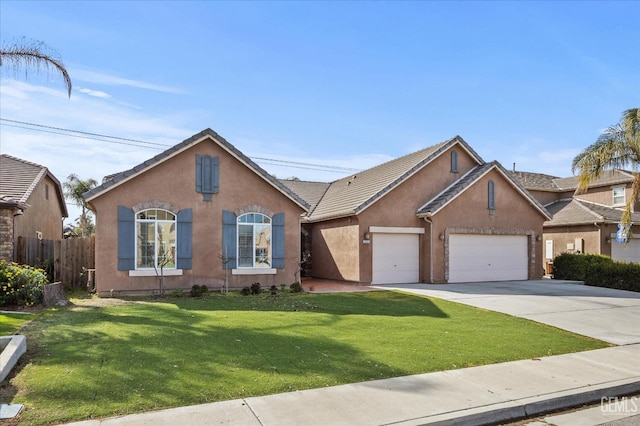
(475, 258)
(472, 258)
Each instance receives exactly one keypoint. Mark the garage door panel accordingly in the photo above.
(629, 252)
(395, 258)
(475, 258)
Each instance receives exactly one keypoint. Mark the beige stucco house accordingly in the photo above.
(438, 215)
(584, 221)
(198, 213)
(31, 204)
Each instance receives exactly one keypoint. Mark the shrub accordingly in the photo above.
(21, 285)
(296, 287)
(255, 288)
(569, 266)
(198, 290)
(618, 275)
(177, 293)
(273, 289)
(245, 291)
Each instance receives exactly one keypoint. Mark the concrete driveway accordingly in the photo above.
(602, 313)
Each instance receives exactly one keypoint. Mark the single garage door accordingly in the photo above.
(475, 258)
(629, 252)
(395, 258)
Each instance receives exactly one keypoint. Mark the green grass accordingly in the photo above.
(98, 362)
(11, 323)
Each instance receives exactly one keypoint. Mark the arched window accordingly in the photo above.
(254, 241)
(491, 201)
(454, 162)
(155, 239)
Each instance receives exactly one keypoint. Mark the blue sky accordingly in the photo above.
(345, 84)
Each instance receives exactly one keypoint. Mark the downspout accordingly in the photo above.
(430, 249)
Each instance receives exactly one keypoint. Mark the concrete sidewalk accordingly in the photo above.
(477, 395)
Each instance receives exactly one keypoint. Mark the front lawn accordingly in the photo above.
(10, 323)
(87, 362)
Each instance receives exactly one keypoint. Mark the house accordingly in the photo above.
(32, 204)
(584, 221)
(438, 215)
(199, 213)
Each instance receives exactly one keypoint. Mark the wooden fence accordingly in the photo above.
(70, 258)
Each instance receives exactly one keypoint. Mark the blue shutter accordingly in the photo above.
(491, 196)
(184, 239)
(126, 239)
(277, 228)
(207, 175)
(229, 238)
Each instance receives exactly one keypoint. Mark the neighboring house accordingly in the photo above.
(31, 204)
(438, 215)
(587, 221)
(199, 213)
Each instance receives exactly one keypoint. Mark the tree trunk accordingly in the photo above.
(54, 295)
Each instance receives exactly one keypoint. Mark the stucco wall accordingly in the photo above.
(603, 195)
(335, 250)
(513, 215)
(173, 182)
(44, 213)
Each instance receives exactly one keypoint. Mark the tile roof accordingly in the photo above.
(580, 212)
(119, 178)
(542, 182)
(19, 178)
(311, 192)
(459, 186)
(352, 194)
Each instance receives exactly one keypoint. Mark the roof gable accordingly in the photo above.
(542, 182)
(353, 194)
(19, 178)
(118, 179)
(449, 194)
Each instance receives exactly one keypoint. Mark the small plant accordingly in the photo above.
(283, 286)
(198, 290)
(177, 293)
(274, 290)
(296, 287)
(245, 291)
(21, 285)
(255, 288)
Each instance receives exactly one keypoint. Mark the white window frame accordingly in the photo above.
(623, 195)
(254, 268)
(174, 244)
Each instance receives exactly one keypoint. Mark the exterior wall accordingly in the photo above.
(335, 253)
(545, 197)
(6, 233)
(513, 215)
(597, 239)
(602, 195)
(44, 213)
(173, 182)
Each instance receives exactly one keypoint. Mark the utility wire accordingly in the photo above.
(153, 145)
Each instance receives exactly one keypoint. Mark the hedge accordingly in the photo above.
(597, 270)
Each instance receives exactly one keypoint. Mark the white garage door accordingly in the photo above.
(475, 258)
(629, 252)
(395, 258)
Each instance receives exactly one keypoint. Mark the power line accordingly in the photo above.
(153, 145)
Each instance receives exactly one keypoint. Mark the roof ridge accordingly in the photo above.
(11, 157)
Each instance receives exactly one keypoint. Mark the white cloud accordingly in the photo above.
(96, 93)
(111, 80)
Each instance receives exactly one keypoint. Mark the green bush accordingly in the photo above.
(198, 290)
(296, 287)
(245, 291)
(569, 266)
(618, 275)
(255, 288)
(21, 285)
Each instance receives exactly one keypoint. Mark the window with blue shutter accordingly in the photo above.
(184, 239)
(491, 197)
(277, 225)
(207, 176)
(126, 239)
(229, 239)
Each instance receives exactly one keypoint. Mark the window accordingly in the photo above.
(491, 201)
(155, 239)
(454, 162)
(254, 241)
(619, 196)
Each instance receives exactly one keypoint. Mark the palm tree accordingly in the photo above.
(74, 187)
(33, 55)
(617, 148)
